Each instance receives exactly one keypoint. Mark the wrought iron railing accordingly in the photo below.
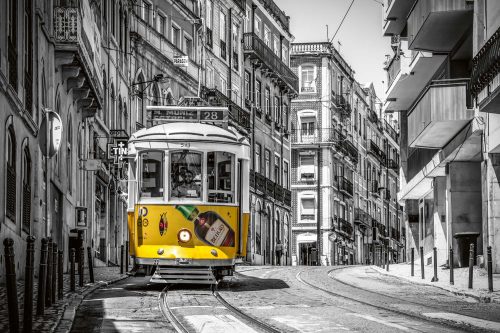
(361, 216)
(377, 152)
(26, 207)
(236, 113)
(486, 64)
(346, 186)
(269, 188)
(374, 188)
(391, 131)
(10, 209)
(316, 135)
(252, 43)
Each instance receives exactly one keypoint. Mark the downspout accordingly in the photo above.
(229, 46)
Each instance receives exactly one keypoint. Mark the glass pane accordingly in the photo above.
(220, 172)
(152, 175)
(185, 172)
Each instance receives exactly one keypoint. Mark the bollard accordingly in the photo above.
(48, 282)
(42, 274)
(422, 271)
(126, 256)
(54, 273)
(72, 269)
(490, 269)
(412, 261)
(452, 276)
(91, 264)
(28, 284)
(11, 284)
(81, 263)
(60, 281)
(471, 264)
(121, 258)
(435, 277)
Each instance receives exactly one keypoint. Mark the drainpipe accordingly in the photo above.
(229, 51)
(318, 218)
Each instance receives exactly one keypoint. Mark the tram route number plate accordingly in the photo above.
(184, 261)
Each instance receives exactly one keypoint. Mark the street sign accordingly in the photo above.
(117, 150)
(164, 114)
(91, 165)
(181, 61)
(55, 134)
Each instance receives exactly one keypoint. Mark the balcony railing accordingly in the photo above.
(345, 185)
(376, 152)
(345, 227)
(236, 114)
(252, 179)
(392, 164)
(271, 189)
(317, 135)
(350, 150)
(360, 216)
(260, 182)
(391, 131)
(277, 13)
(485, 64)
(254, 46)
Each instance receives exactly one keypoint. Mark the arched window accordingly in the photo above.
(10, 191)
(139, 101)
(69, 151)
(56, 159)
(26, 182)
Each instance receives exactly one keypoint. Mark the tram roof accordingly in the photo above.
(183, 131)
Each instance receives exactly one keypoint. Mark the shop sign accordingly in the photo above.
(181, 61)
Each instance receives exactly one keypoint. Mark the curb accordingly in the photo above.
(480, 298)
(64, 322)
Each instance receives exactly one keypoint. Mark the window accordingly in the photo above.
(247, 86)
(186, 175)
(307, 126)
(210, 77)
(236, 45)
(277, 173)
(26, 190)
(176, 36)
(28, 56)
(306, 167)
(235, 94)
(188, 47)
(246, 21)
(307, 209)
(257, 157)
(12, 44)
(284, 116)
(276, 108)
(258, 90)
(10, 191)
(267, 102)
(284, 54)
(220, 166)
(267, 36)
(308, 82)
(146, 14)
(69, 159)
(209, 13)
(257, 26)
(151, 185)
(222, 34)
(285, 175)
(162, 24)
(276, 45)
(223, 84)
(267, 165)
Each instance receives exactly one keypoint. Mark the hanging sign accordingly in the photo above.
(55, 134)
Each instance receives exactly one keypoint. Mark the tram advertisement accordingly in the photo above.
(210, 226)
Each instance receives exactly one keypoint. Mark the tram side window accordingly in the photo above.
(185, 175)
(220, 171)
(152, 175)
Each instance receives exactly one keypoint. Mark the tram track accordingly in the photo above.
(180, 327)
(419, 317)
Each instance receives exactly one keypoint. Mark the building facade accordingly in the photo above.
(343, 213)
(436, 82)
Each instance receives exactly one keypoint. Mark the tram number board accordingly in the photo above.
(187, 115)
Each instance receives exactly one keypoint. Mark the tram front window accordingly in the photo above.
(185, 175)
(220, 166)
(152, 175)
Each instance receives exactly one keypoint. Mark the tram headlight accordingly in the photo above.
(184, 235)
(160, 251)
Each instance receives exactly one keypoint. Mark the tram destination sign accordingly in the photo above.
(163, 114)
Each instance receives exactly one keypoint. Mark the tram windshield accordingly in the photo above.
(185, 175)
(220, 166)
(152, 175)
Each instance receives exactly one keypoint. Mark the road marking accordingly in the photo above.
(380, 321)
(279, 306)
(197, 306)
(481, 323)
(308, 323)
(218, 324)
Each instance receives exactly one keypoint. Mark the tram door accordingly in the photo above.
(308, 254)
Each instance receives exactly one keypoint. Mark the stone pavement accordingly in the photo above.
(59, 316)
(461, 277)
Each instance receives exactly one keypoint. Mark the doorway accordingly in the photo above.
(307, 254)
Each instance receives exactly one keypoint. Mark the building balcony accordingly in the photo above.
(417, 69)
(485, 80)
(392, 164)
(345, 186)
(275, 12)
(437, 26)
(77, 42)
(269, 188)
(376, 152)
(237, 115)
(317, 136)
(260, 182)
(391, 132)
(395, 16)
(252, 179)
(361, 217)
(256, 49)
(345, 227)
(440, 113)
(373, 187)
(287, 197)
(372, 116)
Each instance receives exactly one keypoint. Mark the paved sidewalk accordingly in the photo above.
(59, 316)
(461, 277)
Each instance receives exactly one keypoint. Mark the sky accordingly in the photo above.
(362, 44)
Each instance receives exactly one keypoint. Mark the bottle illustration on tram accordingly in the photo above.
(208, 226)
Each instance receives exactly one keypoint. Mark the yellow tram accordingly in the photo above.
(188, 205)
